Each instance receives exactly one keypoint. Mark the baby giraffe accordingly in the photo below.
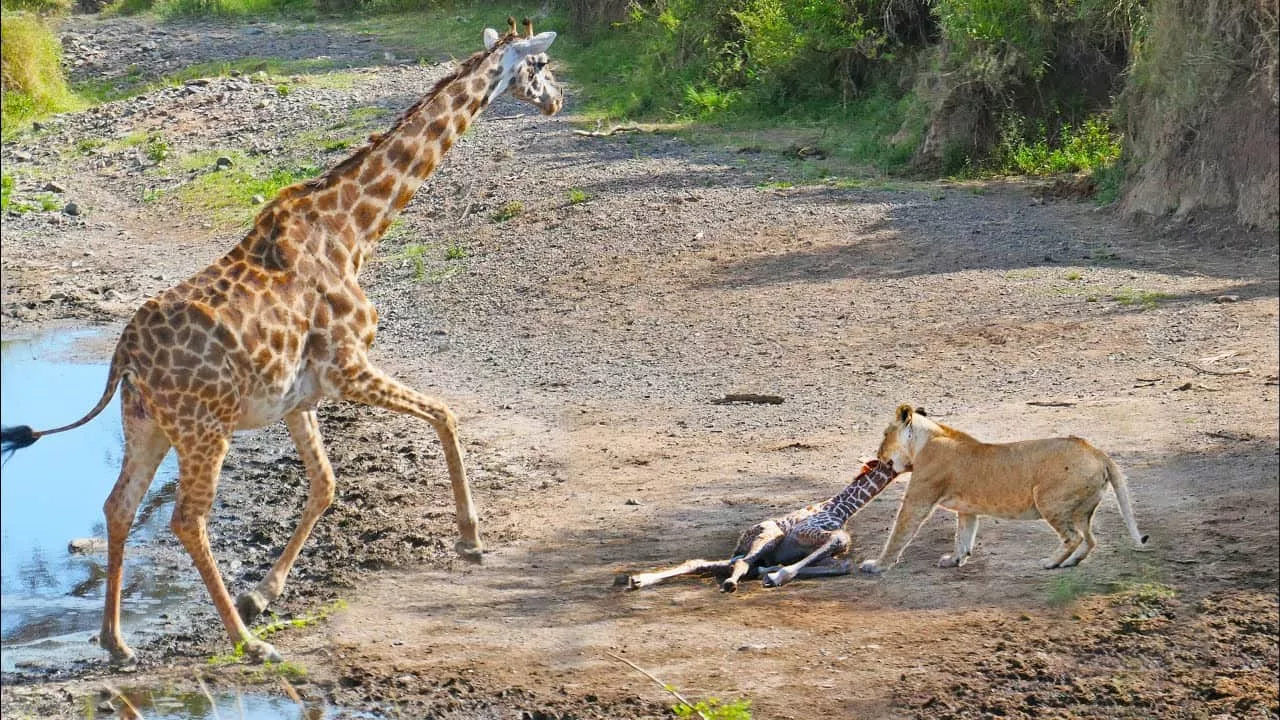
(809, 539)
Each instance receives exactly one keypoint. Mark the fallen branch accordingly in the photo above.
(674, 693)
(752, 398)
(1052, 403)
(610, 132)
(1206, 371)
(1220, 356)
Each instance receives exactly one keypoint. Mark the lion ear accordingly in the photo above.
(904, 414)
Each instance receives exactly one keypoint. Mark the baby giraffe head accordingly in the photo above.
(525, 71)
(904, 437)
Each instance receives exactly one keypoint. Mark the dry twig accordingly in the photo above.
(674, 693)
(1204, 370)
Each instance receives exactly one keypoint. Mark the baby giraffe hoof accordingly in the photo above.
(470, 550)
(776, 579)
(250, 605)
(729, 586)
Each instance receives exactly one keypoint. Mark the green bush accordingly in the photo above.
(30, 71)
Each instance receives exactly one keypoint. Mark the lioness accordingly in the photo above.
(1058, 479)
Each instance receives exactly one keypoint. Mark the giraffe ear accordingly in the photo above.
(538, 43)
(490, 38)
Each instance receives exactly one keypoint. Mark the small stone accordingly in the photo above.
(1227, 299)
(71, 209)
(54, 187)
(21, 156)
(86, 546)
(632, 501)
(106, 707)
(223, 161)
(258, 199)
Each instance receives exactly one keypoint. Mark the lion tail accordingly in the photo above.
(1116, 478)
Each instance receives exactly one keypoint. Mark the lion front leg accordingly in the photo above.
(917, 506)
(966, 532)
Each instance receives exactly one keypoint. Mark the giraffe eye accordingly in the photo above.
(538, 65)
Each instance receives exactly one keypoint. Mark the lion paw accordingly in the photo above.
(871, 567)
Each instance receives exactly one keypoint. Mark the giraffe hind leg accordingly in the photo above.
(145, 446)
(200, 456)
(719, 568)
(305, 431)
(766, 540)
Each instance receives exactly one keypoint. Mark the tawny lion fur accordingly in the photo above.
(1059, 480)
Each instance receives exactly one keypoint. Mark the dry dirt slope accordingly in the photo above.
(581, 345)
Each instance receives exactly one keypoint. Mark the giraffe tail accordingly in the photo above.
(16, 437)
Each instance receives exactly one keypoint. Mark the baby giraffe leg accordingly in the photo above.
(838, 542)
(689, 567)
(766, 539)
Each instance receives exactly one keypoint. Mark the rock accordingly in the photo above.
(87, 546)
(21, 156)
(1227, 299)
(105, 707)
(257, 199)
(223, 161)
(71, 209)
(54, 187)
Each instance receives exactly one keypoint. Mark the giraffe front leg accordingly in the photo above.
(363, 383)
(304, 428)
(836, 543)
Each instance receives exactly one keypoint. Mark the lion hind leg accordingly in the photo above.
(1082, 522)
(1071, 540)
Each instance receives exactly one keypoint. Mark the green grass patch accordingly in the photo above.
(31, 72)
(577, 196)
(6, 190)
(508, 211)
(254, 69)
(714, 709)
(1141, 299)
(227, 195)
(1068, 587)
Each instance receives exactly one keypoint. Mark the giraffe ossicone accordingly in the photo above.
(280, 323)
(803, 543)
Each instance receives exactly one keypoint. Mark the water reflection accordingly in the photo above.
(50, 599)
(157, 705)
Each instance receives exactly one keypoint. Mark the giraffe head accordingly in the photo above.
(524, 66)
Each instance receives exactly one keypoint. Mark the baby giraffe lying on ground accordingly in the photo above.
(810, 539)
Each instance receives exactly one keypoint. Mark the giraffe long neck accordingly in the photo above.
(874, 477)
(358, 198)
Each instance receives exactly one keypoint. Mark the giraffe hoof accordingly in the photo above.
(470, 550)
(250, 605)
(263, 652)
(729, 586)
(122, 657)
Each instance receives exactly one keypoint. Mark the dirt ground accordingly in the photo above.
(582, 345)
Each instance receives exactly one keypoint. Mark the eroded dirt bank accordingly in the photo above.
(581, 344)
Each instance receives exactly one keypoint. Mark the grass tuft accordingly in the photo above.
(30, 72)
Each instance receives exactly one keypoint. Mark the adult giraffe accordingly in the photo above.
(279, 323)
